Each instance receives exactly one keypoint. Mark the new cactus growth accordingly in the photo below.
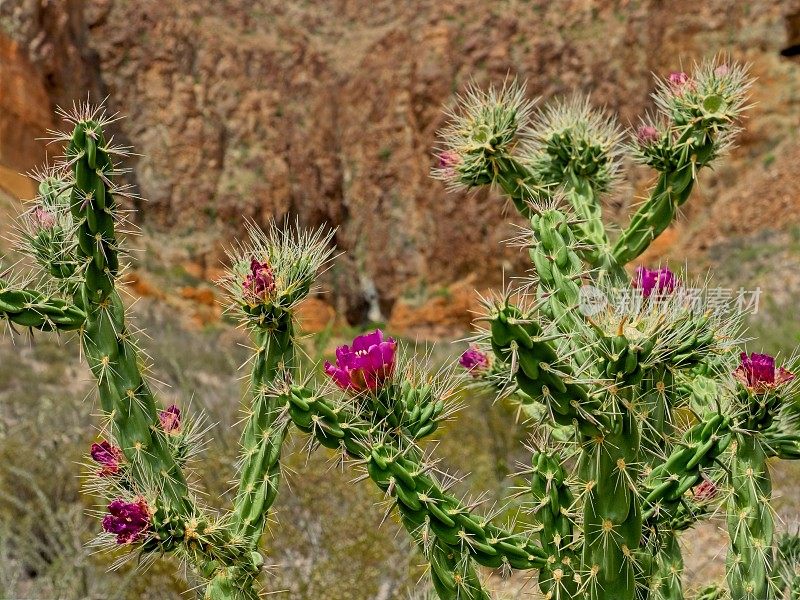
(647, 418)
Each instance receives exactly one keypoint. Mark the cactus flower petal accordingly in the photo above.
(364, 366)
(127, 520)
(474, 361)
(108, 457)
(170, 419)
(758, 372)
(660, 281)
(260, 283)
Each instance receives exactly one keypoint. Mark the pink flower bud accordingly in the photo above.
(170, 419)
(647, 134)
(43, 218)
(474, 361)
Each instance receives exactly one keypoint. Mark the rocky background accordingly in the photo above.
(326, 110)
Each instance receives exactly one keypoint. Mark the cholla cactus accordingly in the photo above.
(650, 419)
(141, 465)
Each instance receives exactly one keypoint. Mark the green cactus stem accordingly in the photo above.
(750, 522)
(107, 344)
(264, 432)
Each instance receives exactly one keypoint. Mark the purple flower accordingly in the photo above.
(474, 361)
(647, 134)
(366, 365)
(757, 372)
(170, 419)
(660, 280)
(43, 218)
(107, 456)
(679, 80)
(260, 283)
(127, 520)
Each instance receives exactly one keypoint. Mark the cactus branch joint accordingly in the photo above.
(647, 418)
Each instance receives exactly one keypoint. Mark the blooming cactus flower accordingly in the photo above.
(108, 457)
(260, 283)
(474, 361)
(758, 373)
(127, 520)
(170, 419)
(660, 280)
(647, 134)
(365, 365)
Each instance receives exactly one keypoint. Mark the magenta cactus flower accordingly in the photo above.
(757, 372)
(170, 419)
(127, 520)
(660, 281)
(647, 134)
(474, 361)
(364, 366)
(260, 283)
(107, 456)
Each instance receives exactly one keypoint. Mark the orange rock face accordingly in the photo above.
(25, 115)
(328, 110)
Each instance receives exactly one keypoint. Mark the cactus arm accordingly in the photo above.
(656, 213)
(518, 182)
(32, 308)
(553, 503)
(425, 509)
(264, 432)
(518, 340)
(109, 348)
(578, 149)
(48, 232)
(699, 447)
(666, 580)
(701, 112)
(750, 522)
(595, 247)
(783, 445)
